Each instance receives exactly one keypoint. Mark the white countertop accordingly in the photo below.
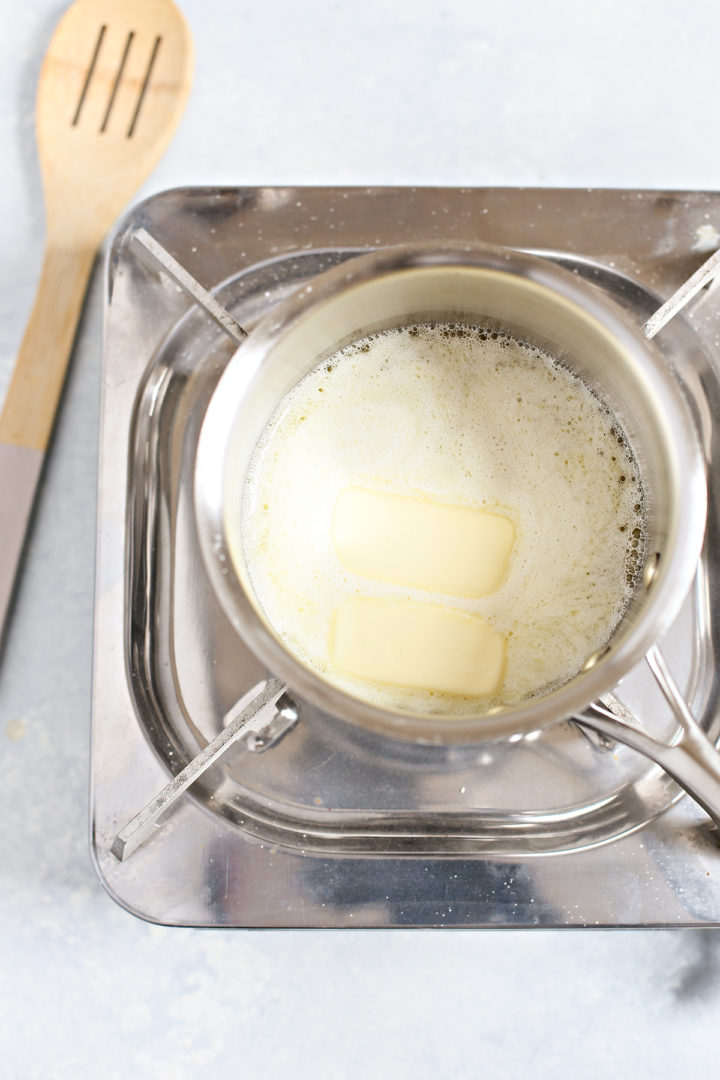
(621, 93)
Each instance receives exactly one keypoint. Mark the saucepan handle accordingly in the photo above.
(690, 758)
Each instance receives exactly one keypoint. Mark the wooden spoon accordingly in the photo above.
(112, 89)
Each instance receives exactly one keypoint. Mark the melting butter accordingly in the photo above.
(421, 646)
(469, 418)
(422, 543)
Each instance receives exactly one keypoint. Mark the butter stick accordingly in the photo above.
(423, 646)
(421, 542)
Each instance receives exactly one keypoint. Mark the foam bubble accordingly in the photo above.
(471, 417)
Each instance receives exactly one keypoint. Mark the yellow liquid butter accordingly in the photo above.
(441, 518)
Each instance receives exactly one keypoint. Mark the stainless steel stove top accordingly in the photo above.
(315, 824)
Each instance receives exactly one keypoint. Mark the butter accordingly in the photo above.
(421, 543)
(423, 646)
(451, 414)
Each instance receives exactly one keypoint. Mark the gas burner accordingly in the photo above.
(437, 835)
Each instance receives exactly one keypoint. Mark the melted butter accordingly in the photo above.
(463, 419)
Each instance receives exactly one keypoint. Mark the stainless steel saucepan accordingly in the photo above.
(532, 299)
(535, 300)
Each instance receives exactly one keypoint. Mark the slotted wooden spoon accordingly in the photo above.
(112, 89)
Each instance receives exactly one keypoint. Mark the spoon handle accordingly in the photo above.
(31, 403)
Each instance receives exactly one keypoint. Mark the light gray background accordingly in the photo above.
(619, 93)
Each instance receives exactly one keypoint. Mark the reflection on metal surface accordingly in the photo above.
(287, 714)
(264, 839)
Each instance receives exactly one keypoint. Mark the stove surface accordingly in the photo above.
(315, 824)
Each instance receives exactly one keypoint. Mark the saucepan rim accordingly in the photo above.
(665, 595)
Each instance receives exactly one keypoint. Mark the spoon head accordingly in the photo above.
(112, 89)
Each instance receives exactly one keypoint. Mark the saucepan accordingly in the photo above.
(532, 299)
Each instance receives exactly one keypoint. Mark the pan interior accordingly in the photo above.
(604, 353)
